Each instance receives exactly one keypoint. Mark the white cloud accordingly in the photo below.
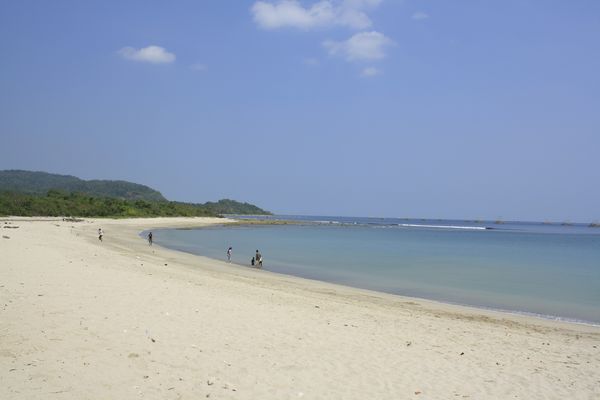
(151, 54)
(420, 15)
(361, 46)
(198, 67)
(370, 71)
(322, 14)
(311, 62)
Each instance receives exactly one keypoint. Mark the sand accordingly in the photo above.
(80, 319)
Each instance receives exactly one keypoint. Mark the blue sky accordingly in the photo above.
(417, 108)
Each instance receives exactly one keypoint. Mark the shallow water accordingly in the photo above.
(529, 269)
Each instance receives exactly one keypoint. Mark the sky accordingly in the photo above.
(395, 108)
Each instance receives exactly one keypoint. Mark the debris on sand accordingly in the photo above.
(72, 219)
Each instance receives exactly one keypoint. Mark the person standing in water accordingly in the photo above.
(258, 259)
(229, 250)
(150, 238)
(100, 234)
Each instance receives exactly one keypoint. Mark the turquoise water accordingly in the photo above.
(536, 271)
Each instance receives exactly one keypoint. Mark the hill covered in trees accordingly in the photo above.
(33, 182)
(25, 193)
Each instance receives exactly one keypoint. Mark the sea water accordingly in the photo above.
(549, 270)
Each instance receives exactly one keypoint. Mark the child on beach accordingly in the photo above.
(100, 234)
(150, 238)
(229, 250)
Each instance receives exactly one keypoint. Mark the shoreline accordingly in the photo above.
(121, 319)
(440, 302)
(139, 225)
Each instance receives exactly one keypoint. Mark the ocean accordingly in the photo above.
(542, 269)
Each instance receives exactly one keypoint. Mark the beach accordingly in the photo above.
(84, 319)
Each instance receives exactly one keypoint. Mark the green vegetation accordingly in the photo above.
(227, 206)
(39, 183)
(27, 193)
(61, 203)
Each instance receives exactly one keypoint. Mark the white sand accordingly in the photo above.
(81, 319)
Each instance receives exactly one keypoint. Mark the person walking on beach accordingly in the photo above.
(229, 250)
(150, 238)
(100, 234)
(258, 258)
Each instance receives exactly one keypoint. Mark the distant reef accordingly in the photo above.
(28, 193)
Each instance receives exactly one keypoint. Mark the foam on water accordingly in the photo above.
(473, 228)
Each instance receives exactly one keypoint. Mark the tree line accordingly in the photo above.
(61, 203)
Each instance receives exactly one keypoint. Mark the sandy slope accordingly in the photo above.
(81, 319)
